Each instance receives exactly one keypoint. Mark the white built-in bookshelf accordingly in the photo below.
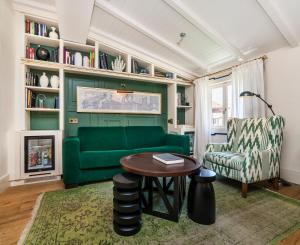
(150, 73)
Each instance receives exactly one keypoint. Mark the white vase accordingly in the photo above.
(53, 34)
(78, 59)
(44, 80)
(86, 61)
(54, 81)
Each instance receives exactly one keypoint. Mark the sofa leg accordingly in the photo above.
(244, 190)
(69, 186)
(276, 183)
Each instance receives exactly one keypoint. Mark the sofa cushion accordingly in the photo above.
(102, 159)
(165, 148)
(102, 138)
(144, 136)
(227, 159)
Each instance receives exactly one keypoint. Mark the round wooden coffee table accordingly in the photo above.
(166, 180)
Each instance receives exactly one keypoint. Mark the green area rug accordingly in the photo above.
(84, 216)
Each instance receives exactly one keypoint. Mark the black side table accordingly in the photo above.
(127, 204)
(201, 197)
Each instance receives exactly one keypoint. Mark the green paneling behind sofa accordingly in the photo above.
(100, 119)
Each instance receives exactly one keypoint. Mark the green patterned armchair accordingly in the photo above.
(252, 151)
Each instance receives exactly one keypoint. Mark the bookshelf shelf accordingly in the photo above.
(79, 46)
(41, 89)
(41, 65)
(31, 38)
(43, 109)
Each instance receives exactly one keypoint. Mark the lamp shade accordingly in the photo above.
(246, 93)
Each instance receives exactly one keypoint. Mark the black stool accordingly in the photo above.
(127, 204)
(201, 197)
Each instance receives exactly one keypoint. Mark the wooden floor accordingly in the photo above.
(16, 204)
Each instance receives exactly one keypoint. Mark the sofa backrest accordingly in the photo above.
(102, 138)
(144, 136)
(254, 133)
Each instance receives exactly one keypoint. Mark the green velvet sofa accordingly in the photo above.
(96, 152)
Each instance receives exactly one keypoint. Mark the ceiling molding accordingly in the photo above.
(203, 26)
(120, 44)
(34, 8)
(107, 7)
(279, 21)
(79, 16)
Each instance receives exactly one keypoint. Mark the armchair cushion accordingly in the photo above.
(227, 159)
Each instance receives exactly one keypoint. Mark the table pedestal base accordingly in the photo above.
(164, 191)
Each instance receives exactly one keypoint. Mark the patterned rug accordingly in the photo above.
(84, 216)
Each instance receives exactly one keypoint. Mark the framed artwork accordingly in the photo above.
(39, 153)
(100, 100)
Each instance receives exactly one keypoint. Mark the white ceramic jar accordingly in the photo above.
(78, 59)
(53, 34)
(86, 61)
(44, 80)
(54, 81)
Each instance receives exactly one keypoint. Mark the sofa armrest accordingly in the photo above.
(71, 160)
(260, 165)
(179, 140)
(217, 147)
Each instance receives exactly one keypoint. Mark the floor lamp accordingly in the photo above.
(251, 94)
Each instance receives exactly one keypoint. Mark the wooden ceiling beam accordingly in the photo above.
(107, 7)
(203, 26)
(279, 21)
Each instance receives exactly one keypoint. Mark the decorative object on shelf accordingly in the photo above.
(118, 64)
(56, 102)
(44, 80)
(53, 34)
(86, 61)
(54, 81)
(78, 59)
(100, 100)
(134, 66)
(144, 71)
(40, 101)
(169, 75)
(42, 53)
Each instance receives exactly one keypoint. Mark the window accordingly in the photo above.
(221, 95)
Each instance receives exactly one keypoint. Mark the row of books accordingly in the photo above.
(69, 58)
(31, 54)
(105, 61)
(35, 28)
(32, 100)
(32, 79)
(134, 66)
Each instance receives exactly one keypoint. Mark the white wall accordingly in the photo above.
(283, 92)
(7, 62)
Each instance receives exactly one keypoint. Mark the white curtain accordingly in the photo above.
(248, 77)
(202, 116)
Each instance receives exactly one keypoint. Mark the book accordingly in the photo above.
(168, 158)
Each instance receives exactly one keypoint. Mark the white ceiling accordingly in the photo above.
(218, 32)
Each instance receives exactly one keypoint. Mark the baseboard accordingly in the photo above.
(4, 182)
(290, 175)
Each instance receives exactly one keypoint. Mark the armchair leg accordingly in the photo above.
(276, 183)
(244, 189)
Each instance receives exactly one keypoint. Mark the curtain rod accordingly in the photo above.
(264, 57)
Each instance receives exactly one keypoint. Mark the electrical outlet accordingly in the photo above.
(73, 120)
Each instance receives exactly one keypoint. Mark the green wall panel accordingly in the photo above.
(181, 111)
(44, 120)
(102, 119)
